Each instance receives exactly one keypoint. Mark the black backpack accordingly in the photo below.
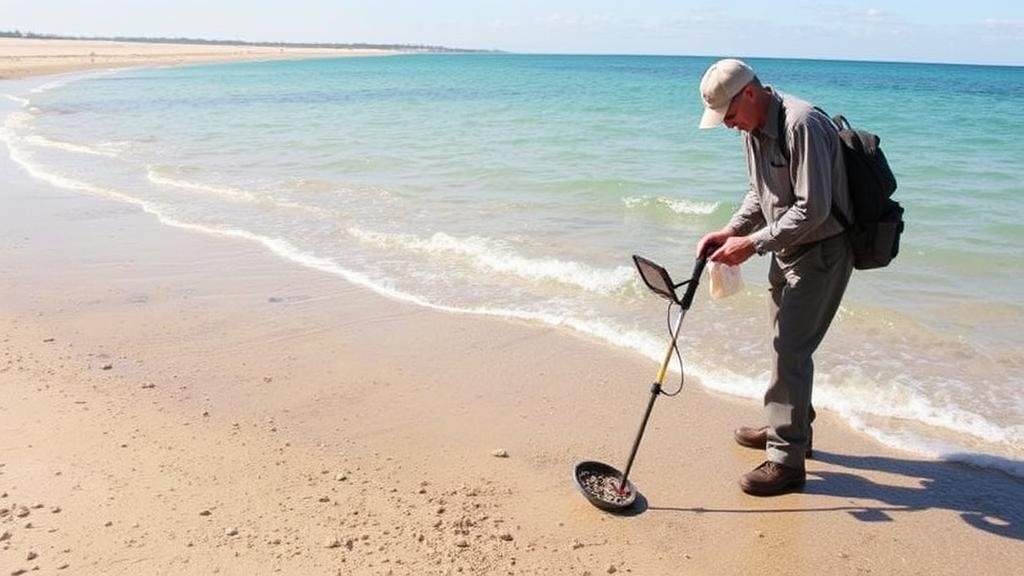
(877, 219)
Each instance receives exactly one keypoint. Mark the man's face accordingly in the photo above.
(743, 114)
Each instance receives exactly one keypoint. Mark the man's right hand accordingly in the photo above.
(713, 240)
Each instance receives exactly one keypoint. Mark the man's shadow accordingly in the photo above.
(987, 499)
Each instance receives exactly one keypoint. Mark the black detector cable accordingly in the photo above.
(675, 346)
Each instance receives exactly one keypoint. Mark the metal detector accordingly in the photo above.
(600, 483)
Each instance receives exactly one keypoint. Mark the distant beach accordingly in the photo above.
(332, 317)
(22, 57)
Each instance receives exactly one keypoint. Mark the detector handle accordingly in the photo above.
(691, 284)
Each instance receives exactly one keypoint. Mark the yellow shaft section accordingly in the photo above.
(671, 346)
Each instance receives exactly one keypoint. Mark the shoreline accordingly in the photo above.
(236, 379)
(25, 58)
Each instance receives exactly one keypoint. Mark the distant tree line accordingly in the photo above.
(358, 45)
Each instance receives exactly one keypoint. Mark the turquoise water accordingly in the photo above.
(519, 186)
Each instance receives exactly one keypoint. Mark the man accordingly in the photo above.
(796, 172)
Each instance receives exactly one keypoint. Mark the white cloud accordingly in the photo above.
(502, 24)
(1004, 26)
(598, 21)
(558, 20)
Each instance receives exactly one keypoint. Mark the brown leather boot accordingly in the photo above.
(771, 478)
(758, 438)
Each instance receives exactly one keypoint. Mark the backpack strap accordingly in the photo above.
(839, 122)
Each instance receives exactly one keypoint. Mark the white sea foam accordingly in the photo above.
(223, 191)
(17, 122)
(51, 85)
(231, 193)
(23, 102)
(321, 212)
(677, 205)
(854, 395)
(66, 79)
(37, 140)
(939, 450)
(495, 256)
(37, 172)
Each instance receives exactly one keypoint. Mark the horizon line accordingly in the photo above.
(440, 48)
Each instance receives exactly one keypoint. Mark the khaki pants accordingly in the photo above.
(806, 289)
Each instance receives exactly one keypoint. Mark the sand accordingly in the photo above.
(21, 57)
(173, 403)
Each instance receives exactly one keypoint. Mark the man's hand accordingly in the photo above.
(713, 240)
(735, 251)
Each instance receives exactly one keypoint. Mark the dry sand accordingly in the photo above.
(21, 57)
(172, 403)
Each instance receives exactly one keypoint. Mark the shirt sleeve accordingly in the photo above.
(811, 173)
(749, 217)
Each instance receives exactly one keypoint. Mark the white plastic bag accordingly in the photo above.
(725, 280)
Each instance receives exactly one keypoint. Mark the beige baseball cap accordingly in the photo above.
(723, 80)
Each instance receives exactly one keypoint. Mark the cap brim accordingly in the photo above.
(712, 118)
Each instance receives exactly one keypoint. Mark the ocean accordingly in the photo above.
(519, 186)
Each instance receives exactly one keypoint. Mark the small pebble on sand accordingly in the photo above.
(31, 555)
(231, 531)
(106, 367)
(612, 569)
(499, 453)
(205, 513)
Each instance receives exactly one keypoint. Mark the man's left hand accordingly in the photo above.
(735, 251)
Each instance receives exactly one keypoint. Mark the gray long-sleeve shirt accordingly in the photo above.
(790, 203)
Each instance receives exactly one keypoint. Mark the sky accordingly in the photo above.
(976, 31)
